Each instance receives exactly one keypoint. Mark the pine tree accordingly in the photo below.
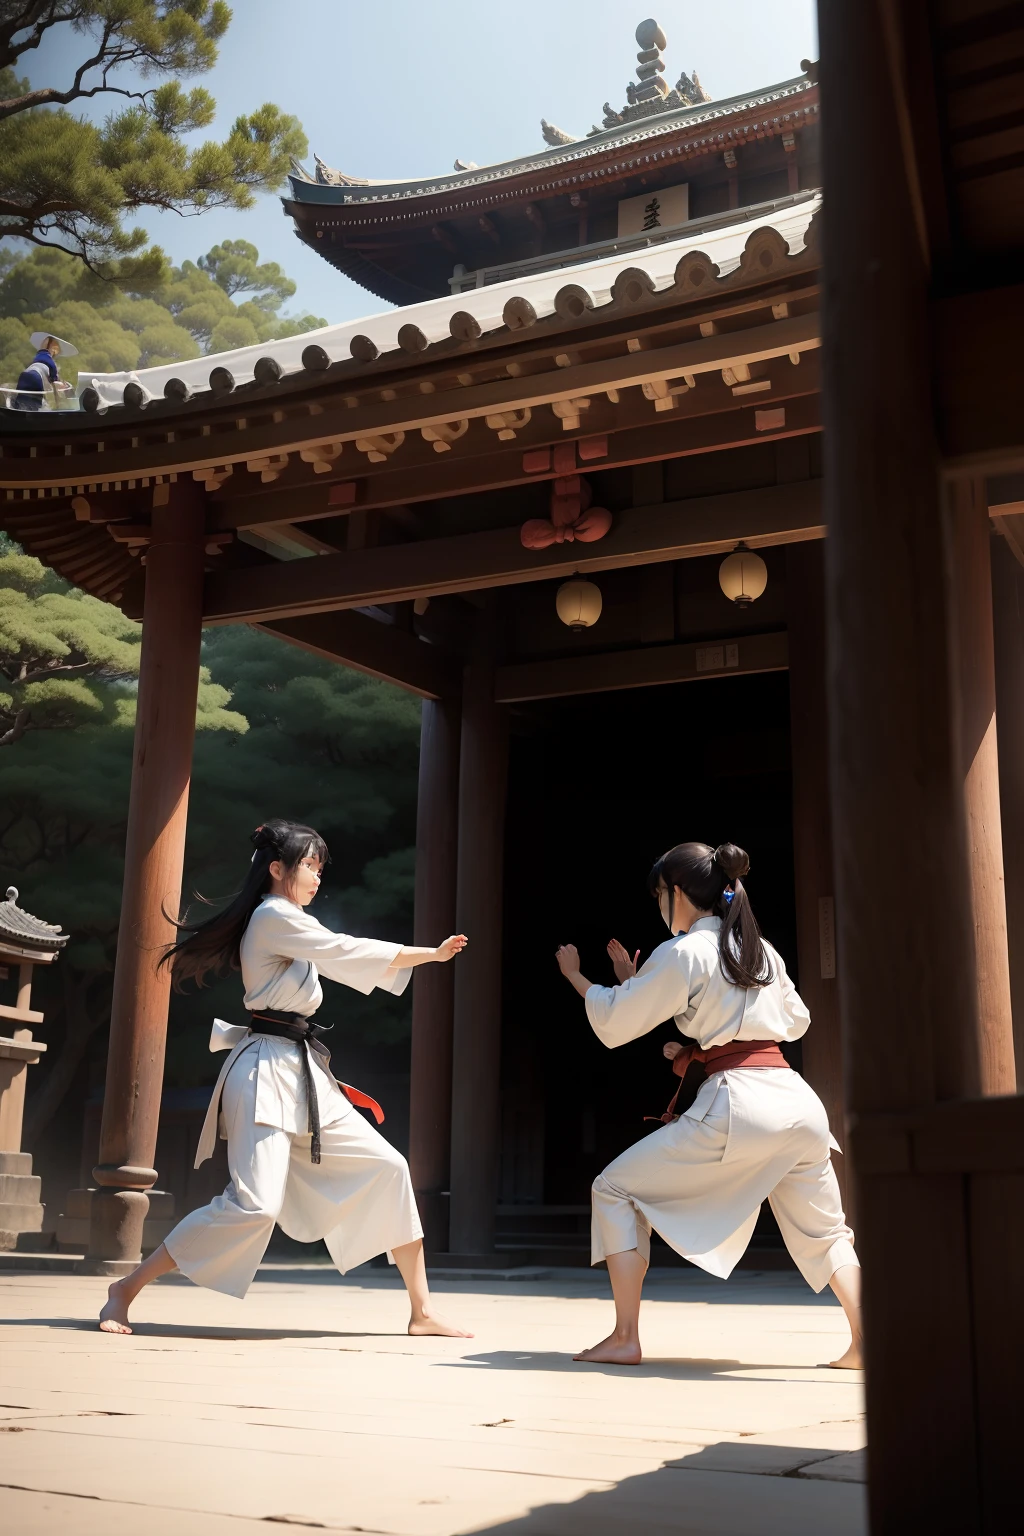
(68, 183)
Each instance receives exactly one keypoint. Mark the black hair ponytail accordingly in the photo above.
(213, 945)
(712, 878)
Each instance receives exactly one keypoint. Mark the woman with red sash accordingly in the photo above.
(755, 1131)
(298, 1152)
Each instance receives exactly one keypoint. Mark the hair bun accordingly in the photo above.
(263, 837)
(732, 861)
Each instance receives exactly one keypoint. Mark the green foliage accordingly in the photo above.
(60, 652)
(235, 266)
(66, 183)
(189, 311)
(66, 659)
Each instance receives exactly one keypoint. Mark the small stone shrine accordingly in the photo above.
(25, 942)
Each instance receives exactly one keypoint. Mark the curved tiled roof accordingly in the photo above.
(350, 192)
(24, 931)
(487, 309)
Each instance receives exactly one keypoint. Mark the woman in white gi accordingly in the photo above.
(755, 1129)
(298, 1152)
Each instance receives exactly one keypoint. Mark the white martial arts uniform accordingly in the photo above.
(359, 1198)
(751, 1132)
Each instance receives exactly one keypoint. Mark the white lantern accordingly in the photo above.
(578, 603)
(742, 576)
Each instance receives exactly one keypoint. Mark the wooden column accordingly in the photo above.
(154, 851)
(1008, 615)
(979, 756)
(476, 1066)
(812, 837)
(430, 1087)
(906, 960)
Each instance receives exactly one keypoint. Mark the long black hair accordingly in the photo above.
(213, 945)
(712, 878)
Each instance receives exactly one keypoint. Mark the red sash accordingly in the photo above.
(363, 1100)
(720, 1058)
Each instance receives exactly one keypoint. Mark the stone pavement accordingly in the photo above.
(307, 1406)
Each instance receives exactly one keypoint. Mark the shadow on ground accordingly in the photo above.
(723, 1490)
(678, 1369)
(192, 1331)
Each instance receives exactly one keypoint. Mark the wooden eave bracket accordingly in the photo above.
(294, 385)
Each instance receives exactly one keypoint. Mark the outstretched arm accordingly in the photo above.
(414, 954)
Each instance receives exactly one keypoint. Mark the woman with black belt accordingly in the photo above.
(298, 1152)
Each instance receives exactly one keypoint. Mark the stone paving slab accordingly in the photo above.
(307, 1406)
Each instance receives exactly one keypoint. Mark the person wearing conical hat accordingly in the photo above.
(42, 372)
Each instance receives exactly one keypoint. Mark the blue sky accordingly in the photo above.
(401, 87)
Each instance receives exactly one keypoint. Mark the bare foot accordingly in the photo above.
(114, 1316)
(436, 1326)
(613, 1351)
(853, 1360)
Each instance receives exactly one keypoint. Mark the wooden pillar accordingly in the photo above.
(979, 756)
(476, 1066)
(430, 1087)
(906, 960)
(154, 851)
(812, 837)
(1008, 616)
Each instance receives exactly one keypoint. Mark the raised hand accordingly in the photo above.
(451, 947)
(568, 958)
(670, 1050)
(622, 965)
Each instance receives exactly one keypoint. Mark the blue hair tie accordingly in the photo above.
(728, 896)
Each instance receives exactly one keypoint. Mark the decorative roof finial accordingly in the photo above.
(554, 136)
(650, 95)
(650, 68)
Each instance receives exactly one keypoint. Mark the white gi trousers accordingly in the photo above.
(359, 1198)
(752, 1133)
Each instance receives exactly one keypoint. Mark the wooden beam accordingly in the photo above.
(670, 437)
(673, 530)
(644, 668)
(408, 412)
(378, 650)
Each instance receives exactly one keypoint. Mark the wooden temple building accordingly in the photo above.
(616, 361)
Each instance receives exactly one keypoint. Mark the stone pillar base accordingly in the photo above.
(74, 1224)
(116, 1219)
(20, 1208)
(114, 1226)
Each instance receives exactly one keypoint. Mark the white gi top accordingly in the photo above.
(284, 951)
(682, 980)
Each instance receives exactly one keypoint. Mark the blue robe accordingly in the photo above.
(33, 383)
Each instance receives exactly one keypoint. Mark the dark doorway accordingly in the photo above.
(600, 786)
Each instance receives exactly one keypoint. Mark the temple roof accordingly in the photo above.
(330, 187)
(464, 316)
(21, 931)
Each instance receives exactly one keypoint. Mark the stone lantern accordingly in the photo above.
(25, 942)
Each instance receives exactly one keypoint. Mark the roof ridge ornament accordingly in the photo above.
(650, 95)
(555, 136)
(327, 177)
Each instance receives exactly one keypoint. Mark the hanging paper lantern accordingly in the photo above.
(578, 603)
(743, 576)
